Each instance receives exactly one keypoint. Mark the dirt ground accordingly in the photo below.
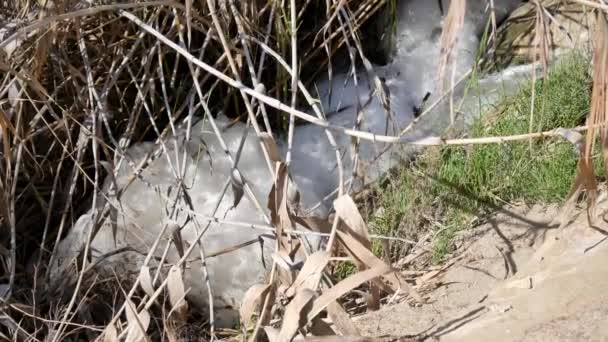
(518, 277)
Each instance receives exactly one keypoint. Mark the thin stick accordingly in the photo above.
(294, 78)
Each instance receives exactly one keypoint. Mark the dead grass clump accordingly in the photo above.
(80, 82)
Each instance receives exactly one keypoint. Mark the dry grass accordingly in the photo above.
(80, 83)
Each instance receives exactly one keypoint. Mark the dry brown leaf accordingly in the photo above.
(344, 287)
(265, 312)
(177, 292)
(295, 314)
(145, 281)
(137, 323)
(310, 273)
(251, 299)
(348, 212)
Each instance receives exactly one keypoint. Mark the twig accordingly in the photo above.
(294, 78)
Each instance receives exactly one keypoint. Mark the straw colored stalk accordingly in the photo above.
(596, 120)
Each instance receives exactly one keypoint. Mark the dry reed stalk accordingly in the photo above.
(453, 23)
(542, 44)
(596, 120)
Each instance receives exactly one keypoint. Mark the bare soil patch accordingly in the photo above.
(517, 277)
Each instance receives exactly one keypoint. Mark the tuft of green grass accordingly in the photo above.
(448, 187)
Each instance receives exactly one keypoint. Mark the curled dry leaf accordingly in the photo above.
(145, 281)
(295, 314)
(348, 212)
(251, 300)
(177, 292)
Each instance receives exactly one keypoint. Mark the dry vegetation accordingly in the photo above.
(81, 81)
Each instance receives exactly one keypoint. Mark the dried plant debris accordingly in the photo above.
(80, 84)
(82, 81)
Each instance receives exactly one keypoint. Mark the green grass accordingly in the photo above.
(449, 187)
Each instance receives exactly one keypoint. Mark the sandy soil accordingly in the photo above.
(518, 277)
